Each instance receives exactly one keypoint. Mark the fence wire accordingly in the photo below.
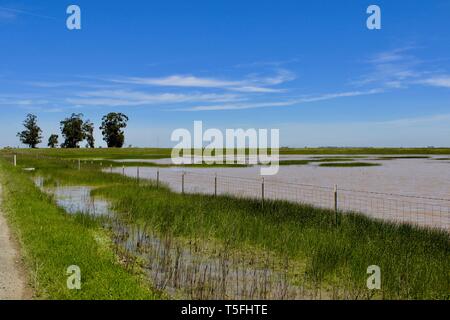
(417, 210)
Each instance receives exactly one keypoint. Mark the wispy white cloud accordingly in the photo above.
(138, 98)
(396, 69)
(437, 81)
(7, 100)
(323, 97)
(12, 13)
(400, 69)
(255, 84)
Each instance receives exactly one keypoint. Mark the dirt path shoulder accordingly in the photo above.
(13, 284)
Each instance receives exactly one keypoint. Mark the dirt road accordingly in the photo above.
(13, 285)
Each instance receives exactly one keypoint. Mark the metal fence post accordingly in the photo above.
(262, 191)
(182, 183)
(137, 174)
(123, 170)
(215, 185)
(79, 164)
(336, 203)
(157, 178)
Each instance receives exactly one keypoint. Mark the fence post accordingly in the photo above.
(336, 203)
(182, 183)
(137, 175)
(215, 185)
(15, 160)
(79, 164)
(262, 191)
(110, 168)
(157, 178)
(123, 170)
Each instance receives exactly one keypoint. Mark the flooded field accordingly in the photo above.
(76, 199)
(187, 268)
(413, 189)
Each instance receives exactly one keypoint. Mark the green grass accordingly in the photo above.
(364, 151)
(52, 240)
(293, 162)
(402, 157)
(414, 261)
(321, 159)
(159, 153)
(349, 164)
(316, 159)
(108, 163)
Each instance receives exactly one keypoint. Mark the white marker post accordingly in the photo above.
(15, 160)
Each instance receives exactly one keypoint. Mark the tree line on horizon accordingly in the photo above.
(75, 129)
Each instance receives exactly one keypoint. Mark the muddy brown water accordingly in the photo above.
(401, 190)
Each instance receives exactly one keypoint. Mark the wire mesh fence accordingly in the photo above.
(412, 209)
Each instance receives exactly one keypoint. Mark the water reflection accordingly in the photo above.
(75, 199)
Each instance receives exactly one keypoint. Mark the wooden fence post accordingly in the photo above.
(15, 160)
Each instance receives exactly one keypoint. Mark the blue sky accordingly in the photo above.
(310, 68)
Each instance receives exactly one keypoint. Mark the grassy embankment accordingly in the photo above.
(52, 240)
(414, 262)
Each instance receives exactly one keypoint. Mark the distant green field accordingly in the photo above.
(158, 153)
(368, 151)
(349, 164)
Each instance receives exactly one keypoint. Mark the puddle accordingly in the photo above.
(76, 199)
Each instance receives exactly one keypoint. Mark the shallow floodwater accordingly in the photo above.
(181, 270)
(404, 190)
(76, 199)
